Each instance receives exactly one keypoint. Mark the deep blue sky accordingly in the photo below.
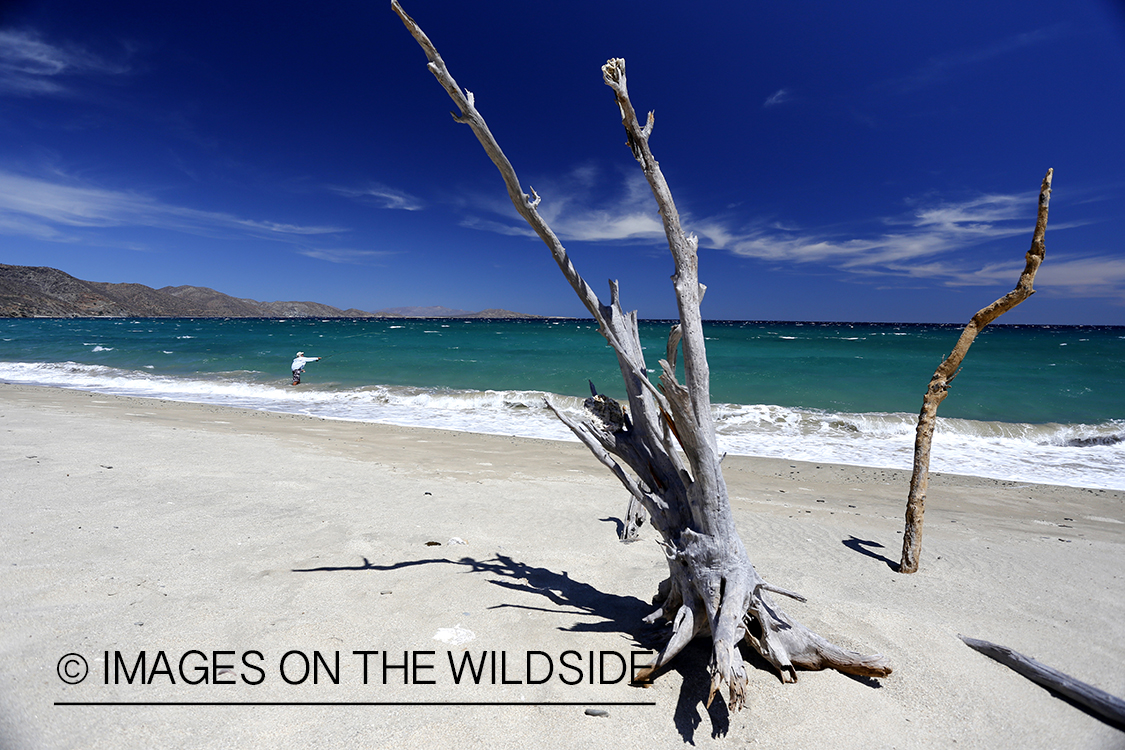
(839, 161)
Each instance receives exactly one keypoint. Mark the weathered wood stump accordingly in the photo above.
(667, 440)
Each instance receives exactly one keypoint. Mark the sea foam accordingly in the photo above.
(1075, 455)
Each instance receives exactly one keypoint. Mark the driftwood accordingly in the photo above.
(667, 438)
(1107, 706)
(947, 371)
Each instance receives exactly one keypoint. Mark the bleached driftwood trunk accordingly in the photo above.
(667, 438)
(1108, 707)
(947, 371)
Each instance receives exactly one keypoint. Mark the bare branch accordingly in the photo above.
(524, 205)
(947, 371)
(1108, 707)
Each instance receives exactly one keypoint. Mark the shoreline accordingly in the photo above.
(563, 436)
(139, 524)
(851, 401)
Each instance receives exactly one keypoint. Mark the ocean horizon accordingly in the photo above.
(1032, 403)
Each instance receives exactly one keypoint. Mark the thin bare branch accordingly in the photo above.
(947, 371)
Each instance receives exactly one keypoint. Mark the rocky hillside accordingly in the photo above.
(38, 291)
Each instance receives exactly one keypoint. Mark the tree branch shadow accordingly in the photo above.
(691, 704)
(860, 546)
(617, 613)
(616, 522)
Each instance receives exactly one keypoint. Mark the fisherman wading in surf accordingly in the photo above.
(299, 366)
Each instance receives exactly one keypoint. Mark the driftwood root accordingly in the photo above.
(712, 588)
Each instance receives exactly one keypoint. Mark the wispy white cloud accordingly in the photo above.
(382, 196)
(928, 230)
(30, 66)
(946, 66)
(482, 224)
(934, 240)
(1070, 276)
(344, 255)
(576, 211)
(630, 214)
(1081, 277)
(55, 210)
(781, 96)
(589, 226)
(929, 243)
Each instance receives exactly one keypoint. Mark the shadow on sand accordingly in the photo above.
(614, 613)
(861, 545)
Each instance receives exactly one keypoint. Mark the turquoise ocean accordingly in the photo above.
(1032, 403)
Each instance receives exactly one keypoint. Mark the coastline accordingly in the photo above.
(1063, 422)
(136, 524)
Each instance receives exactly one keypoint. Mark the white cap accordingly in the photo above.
(300, 354)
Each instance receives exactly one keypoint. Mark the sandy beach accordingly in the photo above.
(264, 561)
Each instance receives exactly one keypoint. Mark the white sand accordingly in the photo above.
(133, 525)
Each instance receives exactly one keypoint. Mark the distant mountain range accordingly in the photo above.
(38, 291)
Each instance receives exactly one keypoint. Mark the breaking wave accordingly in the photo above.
(1069, 454)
